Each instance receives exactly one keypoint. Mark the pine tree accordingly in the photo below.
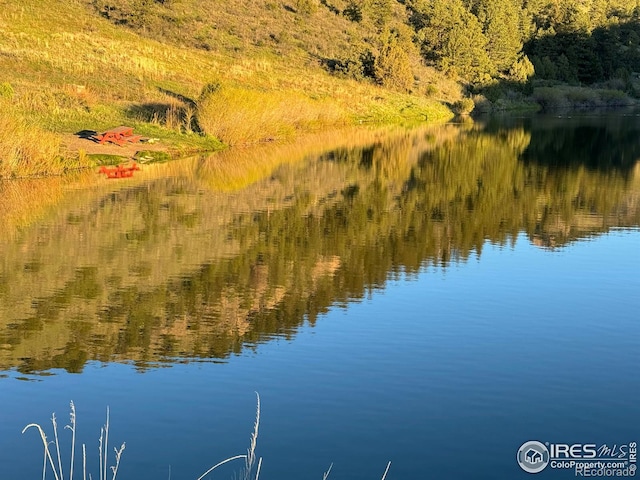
(451, 38)
(500, 21)
(392, 67)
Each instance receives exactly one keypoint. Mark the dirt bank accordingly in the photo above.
(72, 144)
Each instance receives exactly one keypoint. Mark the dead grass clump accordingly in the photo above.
(243, 116)
(26, 149)
(55, 464)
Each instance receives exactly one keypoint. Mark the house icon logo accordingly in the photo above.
(533, 456)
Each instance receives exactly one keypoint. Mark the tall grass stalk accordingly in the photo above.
(251, 452)
(219, 464)
(258, 469)
(100, 452)
(72, 427)
(57, 470)
(47, 453)
(250, 456)
(118, 452)
(106, 443)
(55, 432)
(386, 471)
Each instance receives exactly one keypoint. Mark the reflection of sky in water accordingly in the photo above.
(445, 373)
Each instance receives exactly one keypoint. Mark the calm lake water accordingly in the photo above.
(432, 297)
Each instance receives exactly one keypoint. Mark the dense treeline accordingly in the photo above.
(574, 41)
(479, 42)
(583, 41)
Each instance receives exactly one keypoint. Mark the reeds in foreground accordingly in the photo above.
(56, 467)
(250, 456)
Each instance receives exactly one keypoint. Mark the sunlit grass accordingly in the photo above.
(69, 69)
(26, 148)
(240, 115)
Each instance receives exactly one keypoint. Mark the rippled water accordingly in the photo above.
(433, 298)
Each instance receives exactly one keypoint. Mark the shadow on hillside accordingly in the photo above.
(186, 100)
(169, 115)
(607, 54)
(574, 69)
(87, 135)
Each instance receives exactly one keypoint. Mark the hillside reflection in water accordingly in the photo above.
(434, 297)
(171, 268)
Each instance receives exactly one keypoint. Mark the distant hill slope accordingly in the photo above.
(237, 71)
(193, 71)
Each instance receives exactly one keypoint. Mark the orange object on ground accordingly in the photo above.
(121, 171)
(119, 136)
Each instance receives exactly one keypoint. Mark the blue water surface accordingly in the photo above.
(445, 373)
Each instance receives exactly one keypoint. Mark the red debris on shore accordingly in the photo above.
(120, 171)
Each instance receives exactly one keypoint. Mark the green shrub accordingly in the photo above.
(550, 98)
(431, 90)
(353, 11)
(306, 7)
(614, 98)
(356, 64)
(482, 104)
(6, 90)
(208, 90)
(582, 97)
(131, 13)
(463, 107)
(392, 67)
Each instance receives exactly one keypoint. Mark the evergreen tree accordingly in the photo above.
(500, 21)
(574, 16)
(380, 12)
(522, 69)
(582, 54)
(392, 67)
(451, 38)
(565, 71)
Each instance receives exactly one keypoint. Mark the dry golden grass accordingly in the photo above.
(25, 149)
(237, 115)
(23, 201)
(72, 69)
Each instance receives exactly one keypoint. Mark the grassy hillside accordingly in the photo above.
(191, 73)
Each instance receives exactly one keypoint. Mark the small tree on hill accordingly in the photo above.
(353, 11)
(392, 66)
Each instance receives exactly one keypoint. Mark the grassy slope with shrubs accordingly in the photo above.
(193, 74)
